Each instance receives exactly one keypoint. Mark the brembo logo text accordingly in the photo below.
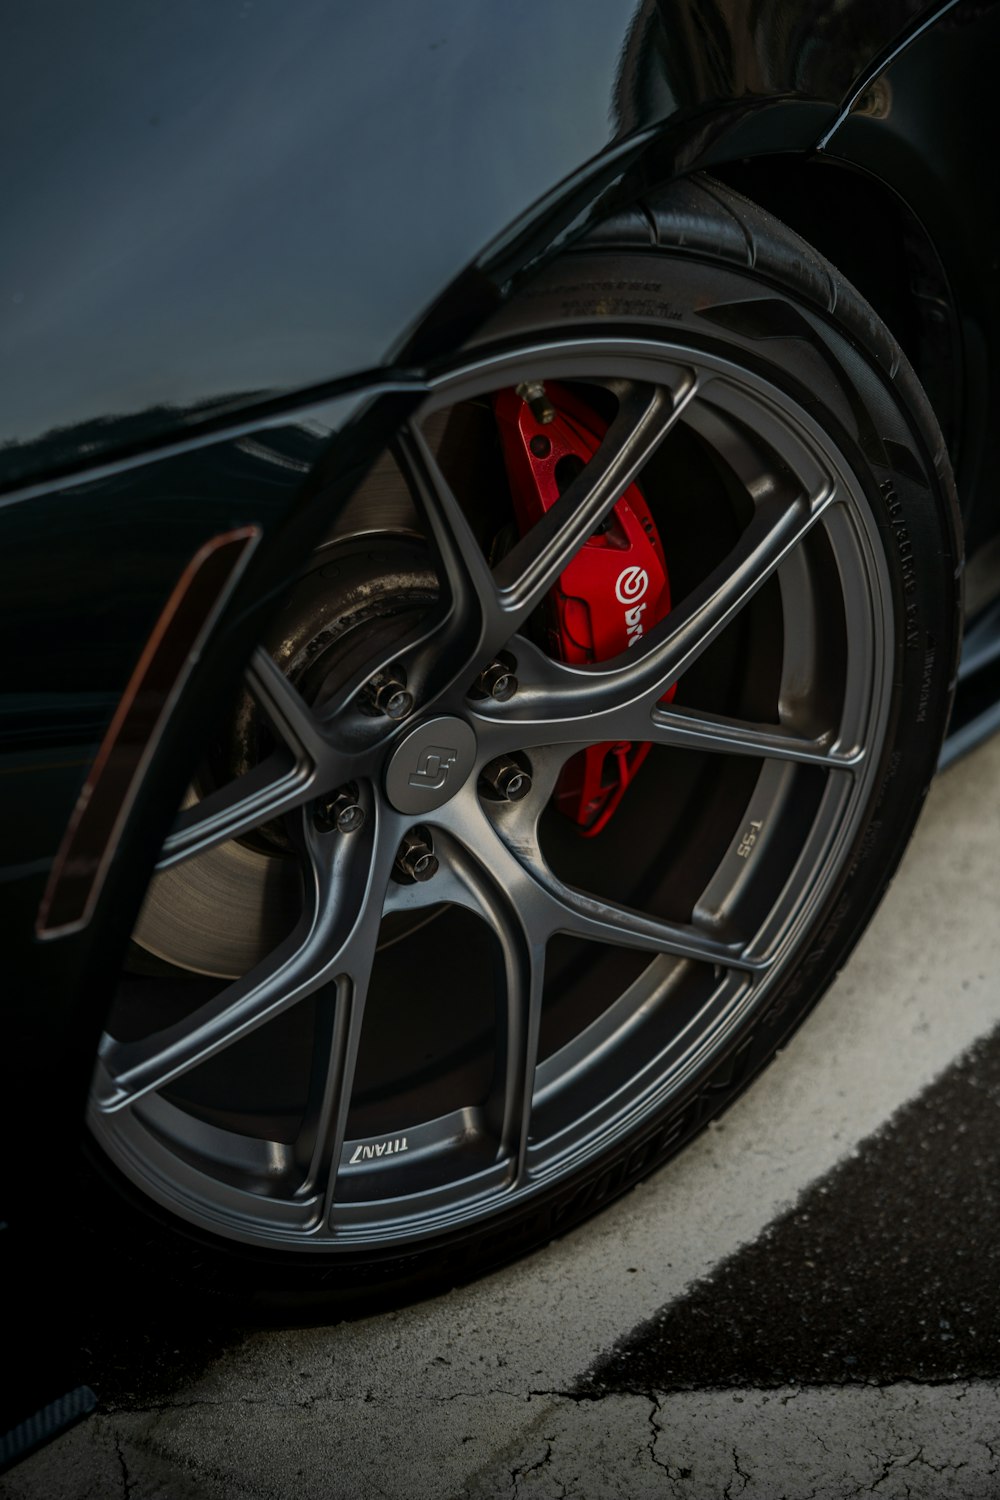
(632, 584)
(431, 771)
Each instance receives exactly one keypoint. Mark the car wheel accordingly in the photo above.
(574, 764)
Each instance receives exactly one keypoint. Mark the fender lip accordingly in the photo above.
(165, 663)
(879, 65)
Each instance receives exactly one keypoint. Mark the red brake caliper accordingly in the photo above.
(614, 590)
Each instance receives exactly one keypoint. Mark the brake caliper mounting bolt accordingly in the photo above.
(505, 779)
(387, 694)
(416, 859)
(534, 392)
(497, 681)
(341, 811)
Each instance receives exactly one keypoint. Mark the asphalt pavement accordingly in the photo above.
(805, 1304)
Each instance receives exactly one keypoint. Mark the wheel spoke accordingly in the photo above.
(517, 1057)
(281, 782)
(645, 415)
(558, 702)
(454, 635)
(340, 1022)
(776, 530)
(271, 788)
(345, 879)
(474, 879)
(525, 905)
(508, 849)
(691, 729)
(286, 709)
(487, 607)
(338, 1043)
(581, 915)
(311, 1151)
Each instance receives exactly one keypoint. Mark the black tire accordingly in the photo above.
(701, 268)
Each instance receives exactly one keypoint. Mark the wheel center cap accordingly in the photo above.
(430, 764)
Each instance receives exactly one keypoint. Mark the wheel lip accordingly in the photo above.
(486, 371)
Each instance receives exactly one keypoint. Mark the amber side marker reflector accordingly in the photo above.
(103, 806)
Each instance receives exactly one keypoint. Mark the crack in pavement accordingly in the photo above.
(126, 1484)
(879, 1440)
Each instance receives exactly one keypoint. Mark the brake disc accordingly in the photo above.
(223, 912)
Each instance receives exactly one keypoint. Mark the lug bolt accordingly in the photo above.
(341, 811)
(416, 859)
(497, 681)
(386, 694)
(504, 778)
(533, 391)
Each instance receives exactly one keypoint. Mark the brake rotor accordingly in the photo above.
(221, 913)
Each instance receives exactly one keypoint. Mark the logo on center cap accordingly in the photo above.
(432, 768)
(430, 764)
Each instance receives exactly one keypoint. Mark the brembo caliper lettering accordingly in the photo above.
(612, 592)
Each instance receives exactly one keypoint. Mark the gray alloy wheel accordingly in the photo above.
(374, 1002)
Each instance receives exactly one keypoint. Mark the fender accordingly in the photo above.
(894, 130)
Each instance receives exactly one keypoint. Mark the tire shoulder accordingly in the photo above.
(702, 218)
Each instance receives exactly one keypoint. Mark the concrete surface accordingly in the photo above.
(478, 1393)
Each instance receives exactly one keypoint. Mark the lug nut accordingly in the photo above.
(416, 859)
(350, 818)
(497, 681)
(341, 811)
(386, 694)
(533, 391)
(505, 779)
